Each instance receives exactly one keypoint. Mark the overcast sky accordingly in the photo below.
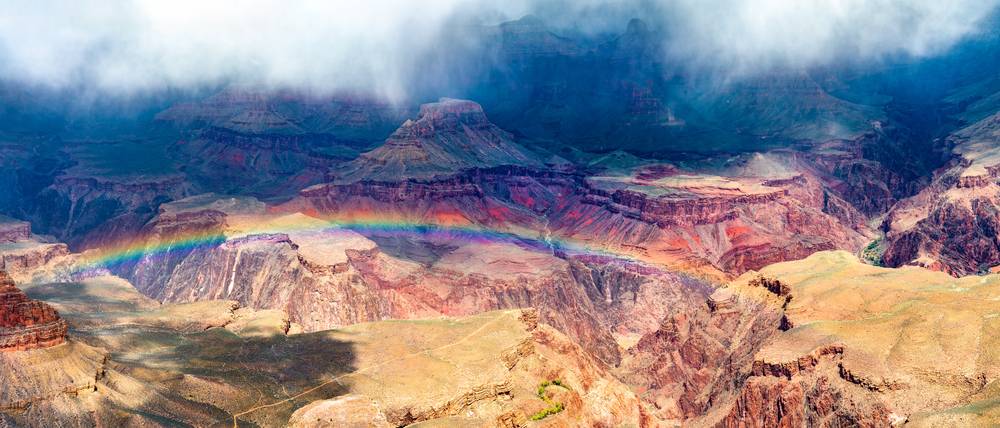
(134, 45)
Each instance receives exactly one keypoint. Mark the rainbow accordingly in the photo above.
(144, 248)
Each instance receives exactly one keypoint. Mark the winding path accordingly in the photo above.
(363, 369)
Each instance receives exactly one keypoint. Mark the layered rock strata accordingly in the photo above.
(952, 224)
(24, 323)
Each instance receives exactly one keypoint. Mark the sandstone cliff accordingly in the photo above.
(24, 323)
(325, 276)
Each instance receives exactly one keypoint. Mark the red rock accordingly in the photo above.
(952, 224)
(25, 323)
(811, 401)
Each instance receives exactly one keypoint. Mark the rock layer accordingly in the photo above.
(326, 277)
(447, 137)
(952, 225)
(14, 230)
(24, 323)
(845, 353)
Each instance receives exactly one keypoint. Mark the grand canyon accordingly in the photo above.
(459, 214)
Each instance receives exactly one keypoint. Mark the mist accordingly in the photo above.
(128, 46)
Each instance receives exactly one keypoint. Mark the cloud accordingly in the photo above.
(124, 46)
(749, 36)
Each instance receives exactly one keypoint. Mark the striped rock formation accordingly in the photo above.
(25, 323)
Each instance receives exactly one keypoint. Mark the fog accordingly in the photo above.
(128, 46)
(749, 36)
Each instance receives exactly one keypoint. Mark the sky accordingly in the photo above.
(128, 46)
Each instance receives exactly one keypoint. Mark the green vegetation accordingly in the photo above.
(554, 407)
(872, 253)
(544, 413)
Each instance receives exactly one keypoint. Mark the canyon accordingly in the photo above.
(555, 228)
(950, 225)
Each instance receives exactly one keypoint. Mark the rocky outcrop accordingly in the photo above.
(273, 143)
(88, 211)
(813, 400)
(24, 323)
(702, 229)
(227, 161)
(718, 366)
(28, 259)
(447, 137)
(952, 224)
(665, 212)
(701, 355)
(837, 351)
(807, 362)
(520, 354)
(14, 230)
(25, 256)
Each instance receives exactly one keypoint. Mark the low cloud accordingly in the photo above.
(742, 37)
(126, 46)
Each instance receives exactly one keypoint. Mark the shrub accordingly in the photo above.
(872, 253)
(553, 407)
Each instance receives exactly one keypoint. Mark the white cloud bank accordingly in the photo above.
(133, 45)
(749, 35)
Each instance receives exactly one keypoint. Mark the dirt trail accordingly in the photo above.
(361, 370)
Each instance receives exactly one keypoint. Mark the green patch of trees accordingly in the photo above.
(554, 407)
(872, 253)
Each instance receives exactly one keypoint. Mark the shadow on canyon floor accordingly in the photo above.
(205, 358)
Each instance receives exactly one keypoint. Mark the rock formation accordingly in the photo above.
(174, 363)
(25, 256)
(87, 210)
(452, 166)
(14, 230)
(812, 343)
(952, 224)
(325, 276)
(447, 137)
(272, 143)
(24, 323)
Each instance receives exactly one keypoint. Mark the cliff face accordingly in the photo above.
(700, 356)
(25, 323)
(477, 370)
(805, 400)
(717, 366)
(272, 143)
(227, 161)
(27, 260)
(14, 230)
(810, 342)
(447, 137)
(695, 227)
(328, 276)
(25, 256)
(90, 211)
(952, 224)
